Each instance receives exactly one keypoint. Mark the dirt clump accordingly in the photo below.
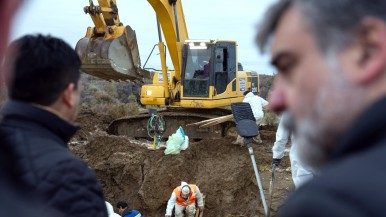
(90, 122)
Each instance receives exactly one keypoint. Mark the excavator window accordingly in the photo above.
(196, 73)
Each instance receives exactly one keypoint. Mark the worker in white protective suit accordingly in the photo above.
(110, 210)
(257, 104)
(184, 198)
(300, 172)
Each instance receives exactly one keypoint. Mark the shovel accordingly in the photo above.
(247, 128)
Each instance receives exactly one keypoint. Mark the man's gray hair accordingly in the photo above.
(333, 22)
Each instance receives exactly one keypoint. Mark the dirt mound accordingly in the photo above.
(146, 178)
(129, 171)
(89, 122)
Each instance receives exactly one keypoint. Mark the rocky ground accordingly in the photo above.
(129, 171)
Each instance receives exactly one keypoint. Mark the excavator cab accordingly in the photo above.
(207, 63)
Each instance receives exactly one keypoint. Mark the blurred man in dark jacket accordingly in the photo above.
(331, 62)
(12, 202)
(42, 76)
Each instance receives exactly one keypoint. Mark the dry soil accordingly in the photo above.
(129, 171)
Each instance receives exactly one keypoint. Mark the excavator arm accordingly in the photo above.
(97, 17)
(171, 16)
(103, 16)
(110, 51)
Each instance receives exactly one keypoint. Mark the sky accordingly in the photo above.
(205, 19)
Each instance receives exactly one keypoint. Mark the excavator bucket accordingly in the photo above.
(112, 58)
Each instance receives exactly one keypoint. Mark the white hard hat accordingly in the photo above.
(185, 189)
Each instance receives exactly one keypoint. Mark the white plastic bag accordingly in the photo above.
(185, 145)
(175, 142)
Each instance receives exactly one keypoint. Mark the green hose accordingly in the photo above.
(155, 123)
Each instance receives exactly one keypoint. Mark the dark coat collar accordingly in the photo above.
(369, 128)
(27, 112)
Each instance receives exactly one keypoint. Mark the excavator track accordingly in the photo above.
(135, 126)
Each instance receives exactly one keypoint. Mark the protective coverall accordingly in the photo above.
(110, 210)
(180, 204)
(300, 172)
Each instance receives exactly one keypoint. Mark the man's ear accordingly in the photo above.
(372, 58)
(68, 95)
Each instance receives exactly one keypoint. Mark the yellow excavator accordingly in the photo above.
(206, 77)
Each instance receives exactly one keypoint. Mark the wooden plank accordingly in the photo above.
(215, 122)
(210, 120)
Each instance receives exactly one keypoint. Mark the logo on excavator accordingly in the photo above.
(196, 104)
(242, 84)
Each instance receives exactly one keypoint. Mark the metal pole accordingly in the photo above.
(162, 53)
(258, 179)
(159, 31)
(144, 66)
(176, 21)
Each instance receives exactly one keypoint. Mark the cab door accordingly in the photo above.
(224, 66)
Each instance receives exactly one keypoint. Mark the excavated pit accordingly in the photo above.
(129, 171)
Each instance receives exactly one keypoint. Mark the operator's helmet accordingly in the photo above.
(203, 63)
